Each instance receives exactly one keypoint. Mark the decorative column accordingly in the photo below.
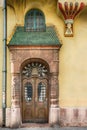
(15, 102)
(69, 11)
(15, 94)
(54, 91)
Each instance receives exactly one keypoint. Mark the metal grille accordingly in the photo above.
(35, 21)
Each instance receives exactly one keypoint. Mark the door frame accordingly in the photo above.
(19, 55)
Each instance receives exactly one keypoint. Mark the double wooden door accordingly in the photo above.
(35, 100)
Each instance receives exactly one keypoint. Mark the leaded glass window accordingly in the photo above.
(35, 21)
(41, 92)
(28, 91)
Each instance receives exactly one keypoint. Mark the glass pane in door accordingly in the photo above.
(28, 92)
(41, 92)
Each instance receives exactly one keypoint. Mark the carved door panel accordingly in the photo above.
(28, 100)
(41, 101)
(35, 100)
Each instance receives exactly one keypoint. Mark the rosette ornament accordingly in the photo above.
(69, 11)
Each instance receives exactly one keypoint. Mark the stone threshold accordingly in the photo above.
(32, 125)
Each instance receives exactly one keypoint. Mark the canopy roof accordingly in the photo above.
(21, 37)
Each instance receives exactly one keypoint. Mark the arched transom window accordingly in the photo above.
(34, 20)
(35, 68)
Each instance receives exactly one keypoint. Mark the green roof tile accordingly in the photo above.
(21, 37)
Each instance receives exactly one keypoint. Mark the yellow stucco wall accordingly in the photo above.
(1, 3)
(73, 62)
(73, 59)
(85, 1)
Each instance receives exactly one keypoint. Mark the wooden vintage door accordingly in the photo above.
(41, 100)
(35, 100)
(35, 92)
(28, 100)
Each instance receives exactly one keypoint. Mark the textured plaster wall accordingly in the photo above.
(73, 62)
(73, 59)
(1, 3)
(73, 0)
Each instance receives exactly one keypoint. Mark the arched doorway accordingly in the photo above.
(35, 94)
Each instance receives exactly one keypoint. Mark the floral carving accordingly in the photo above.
(35, 68)
(15, 87)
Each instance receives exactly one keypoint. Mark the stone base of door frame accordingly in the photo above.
(62, 116)
(54, 115)
(13, 117)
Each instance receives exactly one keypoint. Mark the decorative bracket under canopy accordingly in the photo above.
(69, 11)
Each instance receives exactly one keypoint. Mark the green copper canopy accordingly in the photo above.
(21, 37)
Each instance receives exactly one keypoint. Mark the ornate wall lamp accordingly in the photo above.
(69, 11)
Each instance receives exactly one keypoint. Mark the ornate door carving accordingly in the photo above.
(35, 93)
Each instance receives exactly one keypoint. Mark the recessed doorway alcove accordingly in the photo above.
(34, 58)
